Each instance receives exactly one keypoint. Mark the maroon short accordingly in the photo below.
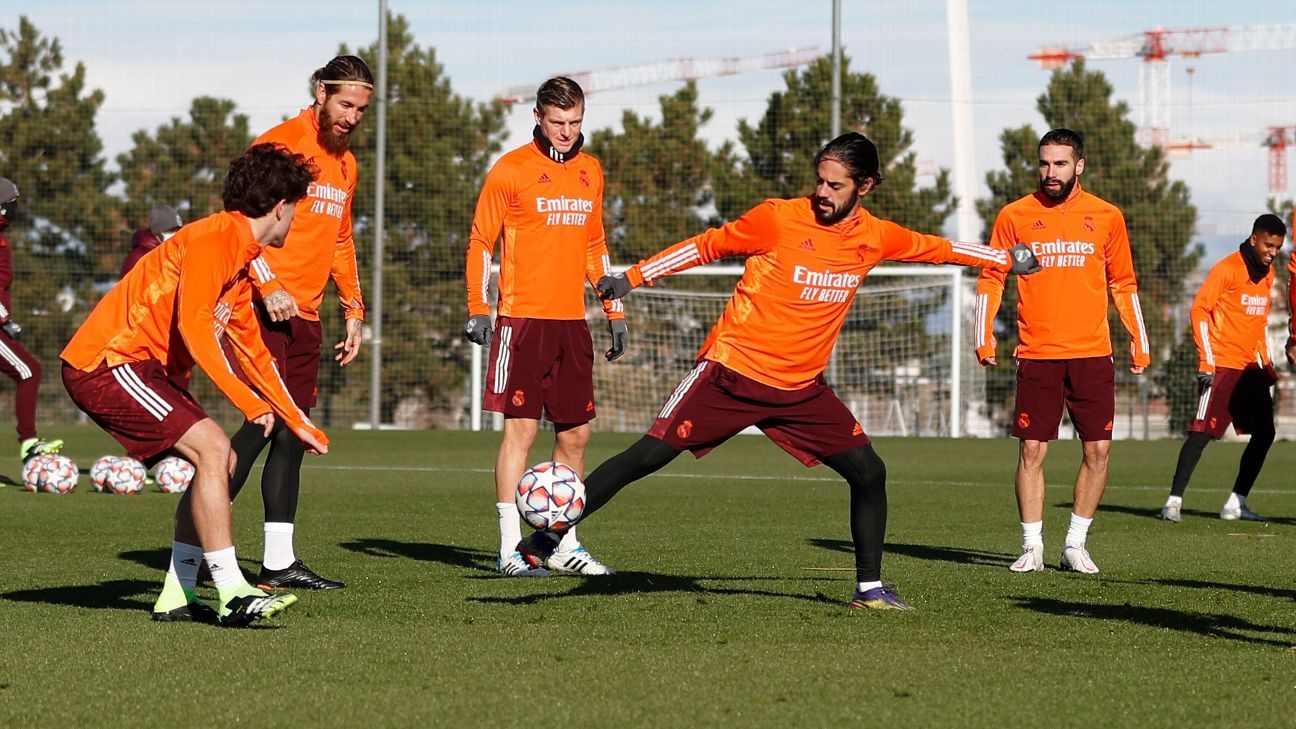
(295, 346)
(1240, 397)
(541, 366)
(136, 403)
(713, 403)
(1087, 386)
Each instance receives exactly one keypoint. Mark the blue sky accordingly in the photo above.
(151, 57)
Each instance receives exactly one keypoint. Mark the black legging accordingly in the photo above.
(1253, 459)
(281, 479)
(863, 470)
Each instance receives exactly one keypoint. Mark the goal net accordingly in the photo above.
(895, 366)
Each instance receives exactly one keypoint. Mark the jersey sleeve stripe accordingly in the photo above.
(675, 261)
(1206, 344)
(980, 251)
(980, 319)
(1142, 330)
(485, 277)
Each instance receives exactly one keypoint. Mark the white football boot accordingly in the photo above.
(1077, 559)
(577, 561)
(1172, 512)
(1031, 560)
(515, 566)
(1239, 511)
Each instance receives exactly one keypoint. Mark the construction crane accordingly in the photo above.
(1280, 138)
(1155, 47)
(679, 69)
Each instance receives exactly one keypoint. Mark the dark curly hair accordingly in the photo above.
(264, 175)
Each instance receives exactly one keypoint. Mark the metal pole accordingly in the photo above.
(956, 353)
(836, 69)
(960, 60)
(380, 178)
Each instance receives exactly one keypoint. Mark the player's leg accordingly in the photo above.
(208, 522)
(1090, 388)
(1251, 408)
(246, 443)
(1037, 414)
(1189, 454)
(866, 475)
(510, 464)
(19, 365)
(569, 448)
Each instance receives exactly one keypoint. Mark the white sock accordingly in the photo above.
(510, 528)
(185, 559)
(1078, 531)
(278, 552)
(1174, 501)
(569, 542)
(866, 586)
(1033, 533)
(1235, 501)
(224, 567)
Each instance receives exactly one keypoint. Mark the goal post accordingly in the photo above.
(900, 364)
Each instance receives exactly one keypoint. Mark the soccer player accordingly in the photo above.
(163, 223)
(1065, 350)
(15, 361)
(1234, 365)
(167, 315)
(547, 197)
(763, 362)
(320, 246)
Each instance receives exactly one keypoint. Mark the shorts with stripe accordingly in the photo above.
(1240, 397)
(714, 403)
(15, 361)
(136, 403)
(1085, 385)
(541, 366)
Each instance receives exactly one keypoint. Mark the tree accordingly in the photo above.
(780, 149)
(183, 163)
(439, 147)
(657, 177)
(1158, 213)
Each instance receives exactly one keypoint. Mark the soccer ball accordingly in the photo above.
(173, 475)
(550, 496)
(125, 476)
(51, 473)
(99, 471)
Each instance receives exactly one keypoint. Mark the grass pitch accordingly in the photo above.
(729, 608)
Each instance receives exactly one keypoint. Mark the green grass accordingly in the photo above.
(729, 609)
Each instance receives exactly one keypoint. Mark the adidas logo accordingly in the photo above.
(807, 244)
(189, 561)
(1039, 225)
(544, 178)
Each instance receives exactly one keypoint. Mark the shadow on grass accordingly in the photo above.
(1206, 624)
(1263, 591)
(647, 582)
(957, 555)
(449, 554)
(1155, 513)
(7, 480)
(110, 595)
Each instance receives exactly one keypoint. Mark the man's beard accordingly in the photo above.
(1062, 193)
(331, 142)
(836, 216)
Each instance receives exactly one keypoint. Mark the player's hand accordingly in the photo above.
(1024, 262)
(612, 287)
(308, 439)
(267, 423)
(280, 306)
(1204, 382)
(478, 329)
(1291, 351)
(12, 329)
(1137, 370)
(350, 344)
(990, 361)
(620, 339)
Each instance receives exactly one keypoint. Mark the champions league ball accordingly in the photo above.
(53, 474)
(123, 476)
(99, 471)
(550, 496)
(173, 475)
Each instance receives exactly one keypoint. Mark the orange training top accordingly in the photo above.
(1062, 310)
(174, 306)
(319, 243)
(1291, 290)
(801, 277)
(1229, 317)
(551, 214)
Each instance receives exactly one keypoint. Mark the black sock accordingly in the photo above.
(645, 457)
(1189, 454)
(1253, 459)
(281, 480)
(865, 472)
(247, 444)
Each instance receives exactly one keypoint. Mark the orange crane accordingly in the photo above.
(678, 69)
(1155, 47)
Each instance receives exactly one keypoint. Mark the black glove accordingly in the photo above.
(12, 329)
(1024, 261)
(478, 329)
(1204, 382)
(611, 287)
(620, 339)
